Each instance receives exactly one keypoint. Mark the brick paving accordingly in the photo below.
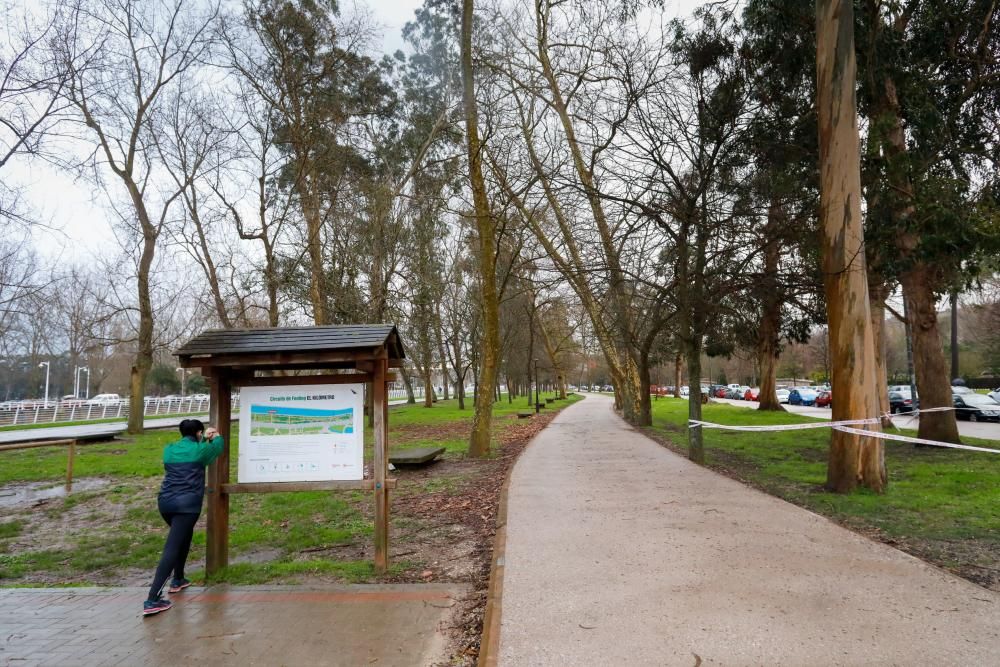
(248, 625)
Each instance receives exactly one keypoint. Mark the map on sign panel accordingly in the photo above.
(301, 433)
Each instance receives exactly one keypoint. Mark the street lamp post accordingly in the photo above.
(538, 405)
(48, 365)
(76, 381)
(86, 387)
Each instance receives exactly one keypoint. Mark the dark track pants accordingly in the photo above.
(175, 551)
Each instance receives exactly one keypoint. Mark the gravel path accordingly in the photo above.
(621, 552)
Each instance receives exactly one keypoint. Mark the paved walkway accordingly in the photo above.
(259, 625)
(622, 552)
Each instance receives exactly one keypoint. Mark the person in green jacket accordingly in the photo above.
(179, 502)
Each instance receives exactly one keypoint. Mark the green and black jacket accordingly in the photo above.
(184, 464)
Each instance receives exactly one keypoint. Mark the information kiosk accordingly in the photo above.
(298, 432)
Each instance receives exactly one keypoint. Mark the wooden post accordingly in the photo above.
(69, 465)
(380, 466)
(219, 416)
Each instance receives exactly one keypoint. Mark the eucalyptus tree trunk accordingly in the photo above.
(854, 460)
(479, 441)
(314, 246)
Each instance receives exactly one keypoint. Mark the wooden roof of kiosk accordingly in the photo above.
(230, 358)
(335, 346)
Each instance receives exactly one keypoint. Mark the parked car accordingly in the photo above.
(685, 391)
(720, 392)
(782, 395)
(901, 401)
(824, 399)
(976, 407)
(752, 394)
(961, 391)
(802, 396)
(995, 394)
(734, 394)
(105, 399)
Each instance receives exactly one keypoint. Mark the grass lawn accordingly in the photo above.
(941, 503)
(108, 530)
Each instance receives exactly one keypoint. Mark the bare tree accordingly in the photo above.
(122, 58)
(479, 441)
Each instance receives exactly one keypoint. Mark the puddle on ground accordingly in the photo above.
(13, 495)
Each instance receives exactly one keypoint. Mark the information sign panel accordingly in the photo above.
(301, 433)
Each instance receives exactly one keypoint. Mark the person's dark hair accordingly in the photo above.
(191, 427)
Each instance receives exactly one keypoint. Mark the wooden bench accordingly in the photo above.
(525, 415)
(417, 456)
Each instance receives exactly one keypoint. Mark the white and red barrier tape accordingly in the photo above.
(846, 426)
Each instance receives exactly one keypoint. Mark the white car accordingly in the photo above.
(995, 394)
(782, 395)
(105, 399)
(685, 391)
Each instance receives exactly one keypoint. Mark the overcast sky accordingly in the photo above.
(76, 213)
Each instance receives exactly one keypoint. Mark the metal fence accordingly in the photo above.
(74, 411)
(77, 411)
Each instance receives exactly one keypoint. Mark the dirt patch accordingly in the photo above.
(417, 432)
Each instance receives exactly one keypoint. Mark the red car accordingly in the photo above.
(720, 392)
(752, 394)
(825, 399)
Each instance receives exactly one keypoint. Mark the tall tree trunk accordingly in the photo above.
(954, 335)
(854, 460)
(645, 406)
(144, 343)
(479, 441)
(678, 373)
(314, 244)
(428, 387)
(410, 398)
(769, 332)
(919, 281)
(696, 443)
(877, 294)
(933, 386)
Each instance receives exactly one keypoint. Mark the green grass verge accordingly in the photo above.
(934, 493)
(98, 535)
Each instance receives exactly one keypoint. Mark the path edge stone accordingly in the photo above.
(489, 643)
